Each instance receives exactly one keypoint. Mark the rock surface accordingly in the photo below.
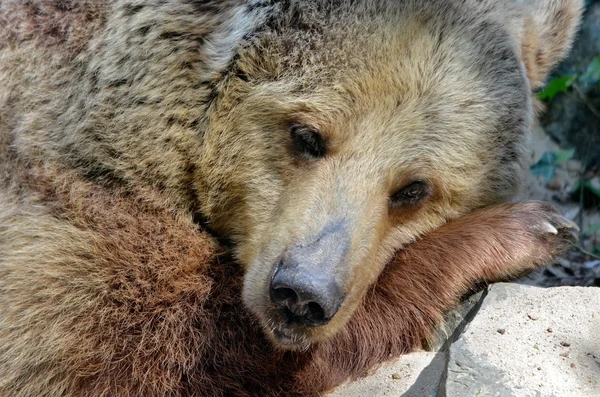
(528, 341)
(413, 375)
(514, 340)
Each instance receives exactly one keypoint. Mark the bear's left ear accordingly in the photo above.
(546, 34)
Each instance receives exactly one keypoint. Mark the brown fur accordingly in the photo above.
(123, 124)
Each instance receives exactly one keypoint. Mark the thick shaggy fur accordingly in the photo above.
(128, 129)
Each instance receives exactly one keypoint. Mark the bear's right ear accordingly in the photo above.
(228, 25)
(547, 33)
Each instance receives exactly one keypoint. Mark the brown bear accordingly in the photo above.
(259, 197)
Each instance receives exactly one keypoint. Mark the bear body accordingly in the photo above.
(160, 162)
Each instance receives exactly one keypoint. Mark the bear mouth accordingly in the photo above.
(287, 336)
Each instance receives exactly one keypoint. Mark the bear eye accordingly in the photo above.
(412, 194)
(307, 142)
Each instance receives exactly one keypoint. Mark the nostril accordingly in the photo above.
(284, 295)
(289, 304)
(315, 313)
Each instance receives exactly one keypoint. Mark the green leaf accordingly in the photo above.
(592, 74)
(559, 84)
(576, 187)
(594, 189)
(564, 155)
(587, 185)
(546, 166)
(592, 229)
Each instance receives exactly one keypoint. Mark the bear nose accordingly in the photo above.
(305, 298)
(305, 286)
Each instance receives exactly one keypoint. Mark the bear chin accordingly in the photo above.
(287, 339)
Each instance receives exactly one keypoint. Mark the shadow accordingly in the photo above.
(436, 372)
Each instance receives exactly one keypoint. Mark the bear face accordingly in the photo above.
(388, 120)
(385, 164)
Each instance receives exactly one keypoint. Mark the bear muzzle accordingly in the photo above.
(307, 283)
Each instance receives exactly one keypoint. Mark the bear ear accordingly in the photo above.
(547, 33)
(229, 22)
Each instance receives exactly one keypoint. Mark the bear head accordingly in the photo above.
(345, 130)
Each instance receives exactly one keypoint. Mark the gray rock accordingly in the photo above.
(413, 375)
(549, 346)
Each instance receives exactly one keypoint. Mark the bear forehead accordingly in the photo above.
(325, 39)
(415, 63)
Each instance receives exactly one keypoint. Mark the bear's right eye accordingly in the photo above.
(410, 195)
(308, 142)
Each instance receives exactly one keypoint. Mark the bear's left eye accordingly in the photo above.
(411, 194)
(308, 142)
